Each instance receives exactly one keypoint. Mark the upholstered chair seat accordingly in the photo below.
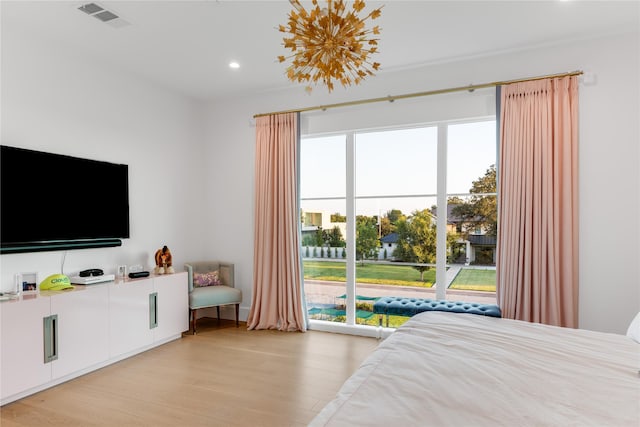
(211, 284)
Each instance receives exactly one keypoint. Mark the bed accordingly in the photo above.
(450, 369)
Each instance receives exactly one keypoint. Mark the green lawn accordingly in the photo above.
(369, 273)
(394, 321)
(403, 275)
(475, 280)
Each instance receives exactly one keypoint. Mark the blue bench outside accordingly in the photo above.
(408, 307)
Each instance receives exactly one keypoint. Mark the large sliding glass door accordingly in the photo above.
(324, 225)
(406, 210)
(372, 225)
(395, 194)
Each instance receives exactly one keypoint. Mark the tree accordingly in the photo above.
(386, 227)
(389, 220)
(366, 236)
(480, 210)
(315, 239)
(334, 237)
(336, 217)
(319, 237)
(309, 240)
(394, 216)
(417, 240)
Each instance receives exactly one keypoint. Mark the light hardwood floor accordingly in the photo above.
(223, 376)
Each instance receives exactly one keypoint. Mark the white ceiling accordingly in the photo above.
(186, 45)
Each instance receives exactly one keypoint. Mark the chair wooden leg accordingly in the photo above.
(237, 314)
(218, 310)
(193, 320)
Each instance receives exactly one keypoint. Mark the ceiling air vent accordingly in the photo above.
(103, 14)
(90, 8)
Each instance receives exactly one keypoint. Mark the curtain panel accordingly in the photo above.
(537, 260)
(277, 299)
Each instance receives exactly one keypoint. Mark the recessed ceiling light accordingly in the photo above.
(234, 65)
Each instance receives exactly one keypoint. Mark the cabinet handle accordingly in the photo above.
(50, 338)
(153, 310)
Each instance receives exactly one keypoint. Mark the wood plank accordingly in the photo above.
(222, 376)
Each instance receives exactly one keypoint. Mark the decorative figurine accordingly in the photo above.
(163, 261)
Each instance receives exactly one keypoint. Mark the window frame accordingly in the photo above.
(350, 199)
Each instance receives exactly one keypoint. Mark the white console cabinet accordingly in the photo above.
(129, 308)
(52, 337)
(22, 365)
(172, 306)
(82, 329)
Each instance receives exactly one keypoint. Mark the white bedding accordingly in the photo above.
(450, 369)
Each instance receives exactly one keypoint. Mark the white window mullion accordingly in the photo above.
(441, 224)
(351, 230)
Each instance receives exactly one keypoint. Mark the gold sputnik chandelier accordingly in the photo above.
(330, 44)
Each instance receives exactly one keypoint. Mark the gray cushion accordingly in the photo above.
(214, 295)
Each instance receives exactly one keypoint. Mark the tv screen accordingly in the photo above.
(54, 201)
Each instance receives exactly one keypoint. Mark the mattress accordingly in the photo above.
(450, 369)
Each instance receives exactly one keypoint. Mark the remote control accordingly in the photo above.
(138, 274)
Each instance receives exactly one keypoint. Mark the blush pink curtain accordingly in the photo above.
(537, 261)
(277, 301)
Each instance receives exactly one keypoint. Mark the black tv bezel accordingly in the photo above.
(58, 245)
(46, 244)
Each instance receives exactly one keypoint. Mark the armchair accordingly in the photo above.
(203, 294)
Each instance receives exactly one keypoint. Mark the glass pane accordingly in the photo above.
(471, 153)
(397, 162)
(323, 167)
(471, 255)
(322, 174)
(471, 211)
(395, 227)
(324, 263)
(396, 254)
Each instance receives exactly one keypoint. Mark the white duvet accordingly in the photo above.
(450, 369)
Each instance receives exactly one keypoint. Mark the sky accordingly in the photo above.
(394, 163)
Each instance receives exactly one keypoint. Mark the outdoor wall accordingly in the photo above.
(609, 181)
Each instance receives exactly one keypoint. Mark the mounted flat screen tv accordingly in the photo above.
(54, 202)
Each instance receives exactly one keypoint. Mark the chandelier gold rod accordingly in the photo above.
(391, 98)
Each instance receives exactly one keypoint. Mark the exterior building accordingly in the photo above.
(389, 243)
(474, 245)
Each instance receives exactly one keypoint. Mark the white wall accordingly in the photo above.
(609, 182)
(53, 101)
